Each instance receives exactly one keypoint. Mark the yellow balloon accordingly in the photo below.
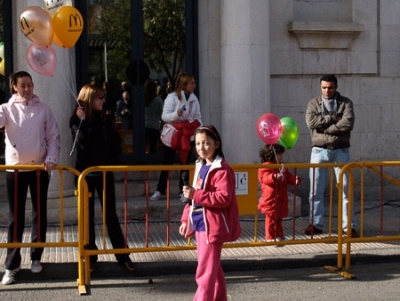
(68, 26)
(37, 25)
(57, 41)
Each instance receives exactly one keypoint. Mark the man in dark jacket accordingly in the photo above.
(330, 118)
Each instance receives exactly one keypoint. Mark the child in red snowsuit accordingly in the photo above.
(274, 198)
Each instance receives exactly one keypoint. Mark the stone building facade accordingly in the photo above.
(260, 56)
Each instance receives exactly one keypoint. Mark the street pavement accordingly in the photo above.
(271, 272)
(373, 281)
(288, 272)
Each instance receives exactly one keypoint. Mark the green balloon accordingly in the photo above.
(290, 132)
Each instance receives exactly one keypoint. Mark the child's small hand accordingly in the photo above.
(182, 229)
(278, 176)
(297, 181)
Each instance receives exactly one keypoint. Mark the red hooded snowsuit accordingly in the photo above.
(274, 199)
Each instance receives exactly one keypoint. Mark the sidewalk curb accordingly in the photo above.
(111, 270)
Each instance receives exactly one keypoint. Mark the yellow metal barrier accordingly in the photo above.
(247, 193)
(62, 243)
(386, 231)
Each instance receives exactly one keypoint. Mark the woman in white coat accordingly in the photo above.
(182, 110)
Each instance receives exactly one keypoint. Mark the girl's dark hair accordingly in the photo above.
(14, 79)
(267, 153)
(211, 132)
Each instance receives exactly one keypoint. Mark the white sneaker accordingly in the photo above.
(9, 276)
(36, 267)
(156, 196)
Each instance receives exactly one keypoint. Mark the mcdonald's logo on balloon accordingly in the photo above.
(75, 21)
(68, 26)
(37, 26)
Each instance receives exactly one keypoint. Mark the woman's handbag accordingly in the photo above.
(167, 133)
(168, 130)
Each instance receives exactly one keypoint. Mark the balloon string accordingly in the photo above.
(76, 138)
(72, 69)
(66, 82)
(282, 169)
(70, 88)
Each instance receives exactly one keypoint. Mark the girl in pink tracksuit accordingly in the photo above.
(212, 213)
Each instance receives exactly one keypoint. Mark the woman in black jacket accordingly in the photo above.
(97, 142)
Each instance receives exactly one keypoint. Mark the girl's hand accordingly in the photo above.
(182, 229)
(49, 166)
(80, 112)
(188, 192)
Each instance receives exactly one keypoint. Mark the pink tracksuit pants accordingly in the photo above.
(211, 285)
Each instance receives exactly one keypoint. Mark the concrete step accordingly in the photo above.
(136, 210)
(135, 184)
(131, 186)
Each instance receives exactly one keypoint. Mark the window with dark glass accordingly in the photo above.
(135, 49)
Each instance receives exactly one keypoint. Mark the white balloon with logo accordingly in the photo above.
(52, 6)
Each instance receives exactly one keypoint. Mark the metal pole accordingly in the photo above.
(105, 62)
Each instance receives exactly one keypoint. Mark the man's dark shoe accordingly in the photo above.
(312, 230)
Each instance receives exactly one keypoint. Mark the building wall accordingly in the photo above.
(234, 72)
(364, 55)
(367, 71)
(254, 60)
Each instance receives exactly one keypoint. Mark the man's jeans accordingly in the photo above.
(319, 175)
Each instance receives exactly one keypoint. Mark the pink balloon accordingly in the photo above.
(41, 59)
(269, 128)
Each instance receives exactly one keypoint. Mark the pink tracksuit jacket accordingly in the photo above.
(32, 135)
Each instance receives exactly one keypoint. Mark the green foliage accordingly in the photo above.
(164, 35)
(115, 26)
